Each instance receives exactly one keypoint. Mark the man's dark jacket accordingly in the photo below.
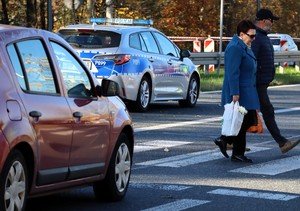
(264, 52)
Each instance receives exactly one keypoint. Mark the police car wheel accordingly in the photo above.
(143, 98)
(192, 94)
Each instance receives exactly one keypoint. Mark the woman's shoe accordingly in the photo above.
(230, 147)
(222, 145)
(241, 158)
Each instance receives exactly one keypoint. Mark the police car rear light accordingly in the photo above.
(121, 59)
(122, 21)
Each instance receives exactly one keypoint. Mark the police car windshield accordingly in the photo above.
(91, 38)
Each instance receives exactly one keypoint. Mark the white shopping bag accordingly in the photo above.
(227, 118)
(232, 119)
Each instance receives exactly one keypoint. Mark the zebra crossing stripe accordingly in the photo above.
(160, 186)
(177, 124)
(254, 194)
(200, 121)
(273, 167)
(157, 144)
(191, 158)
(178, 205)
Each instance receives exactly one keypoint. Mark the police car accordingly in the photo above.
(283, 42)
(148, 66)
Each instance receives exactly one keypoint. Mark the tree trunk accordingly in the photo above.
(43, 13)
(31, 13)
(109, 8)
(5, 14)
(90, 8)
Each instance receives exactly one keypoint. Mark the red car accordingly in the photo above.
(59, 127)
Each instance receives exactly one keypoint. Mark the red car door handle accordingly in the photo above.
(77, 114)
(35, 114)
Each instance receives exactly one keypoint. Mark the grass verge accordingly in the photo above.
(214, 81)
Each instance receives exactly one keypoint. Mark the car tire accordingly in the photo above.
(192, 93)
(143, 96)
(115, 185)
(14, 183)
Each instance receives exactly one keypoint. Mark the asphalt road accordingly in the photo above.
(178, 167)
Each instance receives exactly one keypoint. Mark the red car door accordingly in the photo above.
(48, 111)
(91, 119)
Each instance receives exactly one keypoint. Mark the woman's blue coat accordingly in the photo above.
(240, 75)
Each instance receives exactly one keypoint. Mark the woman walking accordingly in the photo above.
(240, 85)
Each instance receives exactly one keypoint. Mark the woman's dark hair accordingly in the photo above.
(244, 26)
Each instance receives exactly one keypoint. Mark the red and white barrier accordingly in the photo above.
(209, 46)
(284, 46)
(197, 46)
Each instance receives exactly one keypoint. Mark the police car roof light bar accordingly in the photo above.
(122, 21)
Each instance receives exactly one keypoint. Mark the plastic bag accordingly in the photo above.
(227, 118)
(232, 119)
(256, 128)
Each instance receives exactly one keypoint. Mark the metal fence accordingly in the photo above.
(215, 58)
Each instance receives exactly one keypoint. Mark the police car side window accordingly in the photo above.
(150, 42)
(134, 41)
(144, 48)
(166, 45)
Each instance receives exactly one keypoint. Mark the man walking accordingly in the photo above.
(264, 52)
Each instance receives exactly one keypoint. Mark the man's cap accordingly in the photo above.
(265, 14)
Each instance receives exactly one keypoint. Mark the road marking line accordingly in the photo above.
(177, 124)
(160, 186)
(191, 158)
(178, 205)
(157, 144)
(196, 122)
(273, 167)
(285, 110)
(254, 194)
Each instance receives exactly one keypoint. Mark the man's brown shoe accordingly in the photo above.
(230, 147)
(289, 145)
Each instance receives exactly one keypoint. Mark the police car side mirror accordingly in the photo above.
(184, 54)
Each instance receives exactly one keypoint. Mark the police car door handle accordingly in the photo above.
(151, 59)
(170, 62)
